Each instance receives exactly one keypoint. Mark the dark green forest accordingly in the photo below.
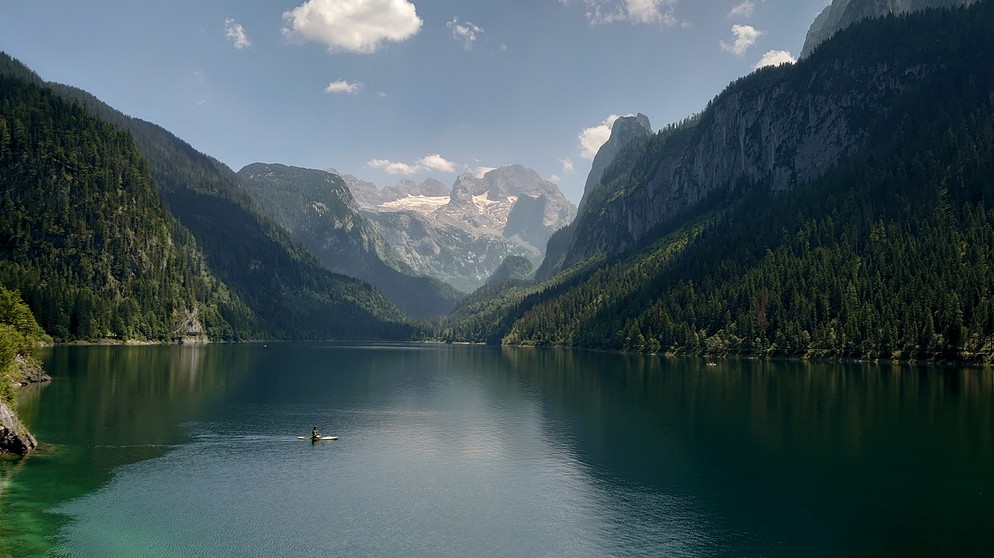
(130, 234)
(290, 294)
(887, 256)
(83, 234)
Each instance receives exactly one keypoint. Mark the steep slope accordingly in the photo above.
(840, 14)
(885, 254)
(779, 127)
(318, 208)
(624, 130)
(270, 286)
(83, 233)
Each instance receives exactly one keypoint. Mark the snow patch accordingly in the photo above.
(420, 203)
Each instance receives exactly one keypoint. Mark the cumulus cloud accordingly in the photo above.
(601, 12)
(591, 139)
(236, 33)
(466, 32)
(775, 58)
(745, 37)
(427, 163)
(358, 26)
(437, 162)
(744, 9)
(568, 166)
(342, 86)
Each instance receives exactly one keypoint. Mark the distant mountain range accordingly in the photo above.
(463, 234)
(319, 210)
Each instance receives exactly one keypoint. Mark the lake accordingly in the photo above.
(482, 451)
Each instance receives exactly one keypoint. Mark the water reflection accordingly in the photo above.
(475, 450)
(809, 455)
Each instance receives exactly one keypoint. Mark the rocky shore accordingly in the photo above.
(14, 437)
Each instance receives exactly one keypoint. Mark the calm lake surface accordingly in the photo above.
(474, 451)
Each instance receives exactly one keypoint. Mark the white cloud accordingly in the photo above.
(745, 37)
(744, 9)
(236, 33)
(427, 163)
(568, 166)
(437, 162)
(554, 178)
(352, 25)
(775, 58)
(635, 11)
(342, 86)
(591, 139)
(467, 32)
(480, 172)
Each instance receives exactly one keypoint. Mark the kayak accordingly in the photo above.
(316, 438)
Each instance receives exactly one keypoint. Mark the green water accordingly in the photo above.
(473, 451)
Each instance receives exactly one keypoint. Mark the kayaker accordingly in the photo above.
(314, 432)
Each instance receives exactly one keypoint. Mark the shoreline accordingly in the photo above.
(15, 439)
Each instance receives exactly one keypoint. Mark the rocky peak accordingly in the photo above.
(624, 130)
(461, 235)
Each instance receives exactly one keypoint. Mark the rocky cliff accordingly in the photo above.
(840, 14)
(623, 131)
(777, 128)
(14, 438)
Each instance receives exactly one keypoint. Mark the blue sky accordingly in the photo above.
(392, 89)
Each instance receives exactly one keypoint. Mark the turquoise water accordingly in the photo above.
(474, 451)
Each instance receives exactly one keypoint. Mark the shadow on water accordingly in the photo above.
(784, 458)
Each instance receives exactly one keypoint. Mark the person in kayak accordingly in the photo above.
(314, 433)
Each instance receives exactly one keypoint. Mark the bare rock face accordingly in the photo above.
(623, 131)
(779, 128)
(461, 235)
(14, 438)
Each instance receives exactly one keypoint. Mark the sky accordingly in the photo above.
(393, 89)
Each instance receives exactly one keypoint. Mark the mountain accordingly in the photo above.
(319, 210)
(121, 229)
(840, 14)
(779, 128)
(462, 235)
(84, 235)
(514, 268)
(841, 207)
(624, 130)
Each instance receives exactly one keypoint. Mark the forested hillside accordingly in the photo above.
(83, 233)
(97, 254)
(888, 255)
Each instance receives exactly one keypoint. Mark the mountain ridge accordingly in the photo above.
(462, 236)
(319, 210)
